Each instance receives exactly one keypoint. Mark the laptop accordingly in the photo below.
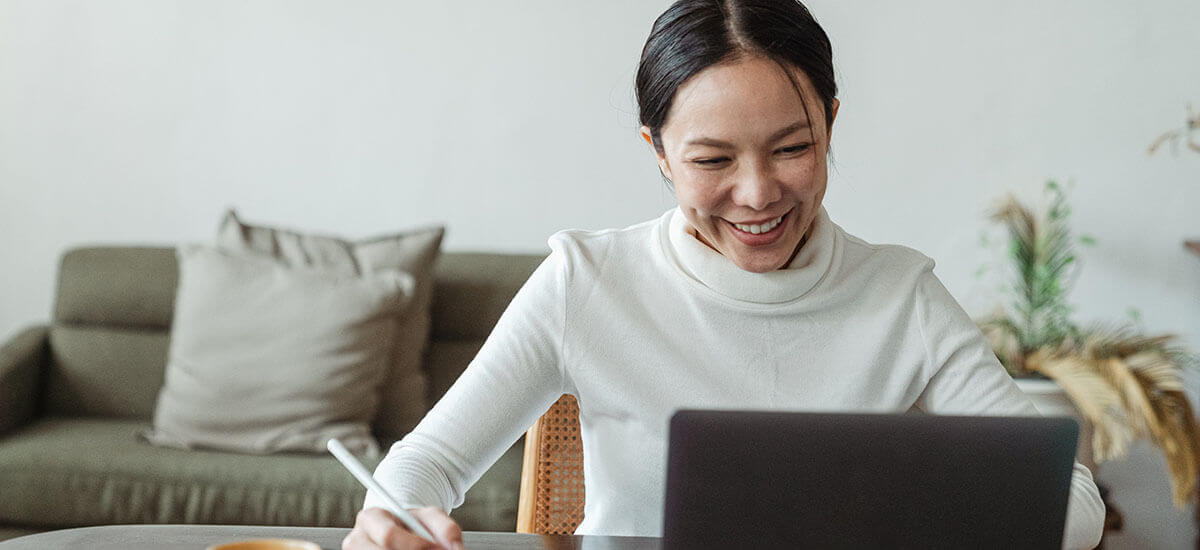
(743, 479)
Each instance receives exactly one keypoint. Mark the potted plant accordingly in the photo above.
(1123, 384)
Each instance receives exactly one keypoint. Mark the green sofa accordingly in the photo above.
(73, 394)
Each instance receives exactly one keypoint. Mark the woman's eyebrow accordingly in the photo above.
(779, 134)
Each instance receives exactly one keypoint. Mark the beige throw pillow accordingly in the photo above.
(404, 391)
(265, 357)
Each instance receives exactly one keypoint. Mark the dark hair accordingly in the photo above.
(693, 35)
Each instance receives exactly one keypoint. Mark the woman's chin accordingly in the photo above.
(760, 262)
(761, 259)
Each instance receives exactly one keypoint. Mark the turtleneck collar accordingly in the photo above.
(714, 271)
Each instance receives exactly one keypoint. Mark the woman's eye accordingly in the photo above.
(794, 148)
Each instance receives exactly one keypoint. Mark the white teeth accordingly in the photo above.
(756, 229)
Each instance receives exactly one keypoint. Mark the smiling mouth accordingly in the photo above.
(758, 229)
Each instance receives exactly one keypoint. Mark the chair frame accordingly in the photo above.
(552, 491)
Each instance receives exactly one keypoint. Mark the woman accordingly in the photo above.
(745, 296)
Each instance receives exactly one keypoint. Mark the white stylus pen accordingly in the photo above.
(360, 472)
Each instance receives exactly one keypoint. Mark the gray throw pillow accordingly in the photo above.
(265, 357)
(404, 392)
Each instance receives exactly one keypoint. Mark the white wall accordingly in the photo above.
(139, 121)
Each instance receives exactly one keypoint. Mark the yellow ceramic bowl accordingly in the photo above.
(266, 544)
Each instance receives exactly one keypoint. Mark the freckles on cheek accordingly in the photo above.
(804, 182)
(704, 192)
(805, 170)
(690, 197)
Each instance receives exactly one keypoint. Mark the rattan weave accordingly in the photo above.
(551, 501)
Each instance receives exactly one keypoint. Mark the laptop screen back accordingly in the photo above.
(809, 480)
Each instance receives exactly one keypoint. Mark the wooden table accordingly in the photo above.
(197, 537)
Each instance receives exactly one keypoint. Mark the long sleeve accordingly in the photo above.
(515, 377)
(969, 380)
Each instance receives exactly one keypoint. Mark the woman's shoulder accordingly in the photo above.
(880, 272)
(594, 246)
(858, 253)
(613, 255)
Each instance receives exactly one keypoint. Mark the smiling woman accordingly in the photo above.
(749, 186)
(745, 296)
(724, 92)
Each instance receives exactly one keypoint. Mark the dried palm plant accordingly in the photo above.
(1127, 385)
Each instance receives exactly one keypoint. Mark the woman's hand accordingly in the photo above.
(376, 529)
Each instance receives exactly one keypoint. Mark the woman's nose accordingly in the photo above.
(756, 188)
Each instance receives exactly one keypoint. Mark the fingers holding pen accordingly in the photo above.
(443, 528)
(378, 529)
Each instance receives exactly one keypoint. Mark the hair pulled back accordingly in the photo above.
(693, 35)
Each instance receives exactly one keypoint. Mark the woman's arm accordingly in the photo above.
(969, 380)
(515, 377)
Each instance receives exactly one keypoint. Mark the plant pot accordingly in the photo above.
(1051, 400)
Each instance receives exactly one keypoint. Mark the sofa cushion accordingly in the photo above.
(474, 288)
(108, 338)
(105, 370)
(266, 358)
(447, 359)
(69, 472)
(402, 396)
(122, 286)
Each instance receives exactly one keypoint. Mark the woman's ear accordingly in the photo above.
(662, 159)
(648, 136)
(829, 125)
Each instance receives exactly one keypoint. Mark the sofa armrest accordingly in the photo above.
(22, 360)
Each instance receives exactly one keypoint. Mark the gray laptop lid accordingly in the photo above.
(806, 480)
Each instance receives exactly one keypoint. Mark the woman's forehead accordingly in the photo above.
(748, 98)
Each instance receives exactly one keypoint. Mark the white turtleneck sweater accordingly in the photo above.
(639, 322)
